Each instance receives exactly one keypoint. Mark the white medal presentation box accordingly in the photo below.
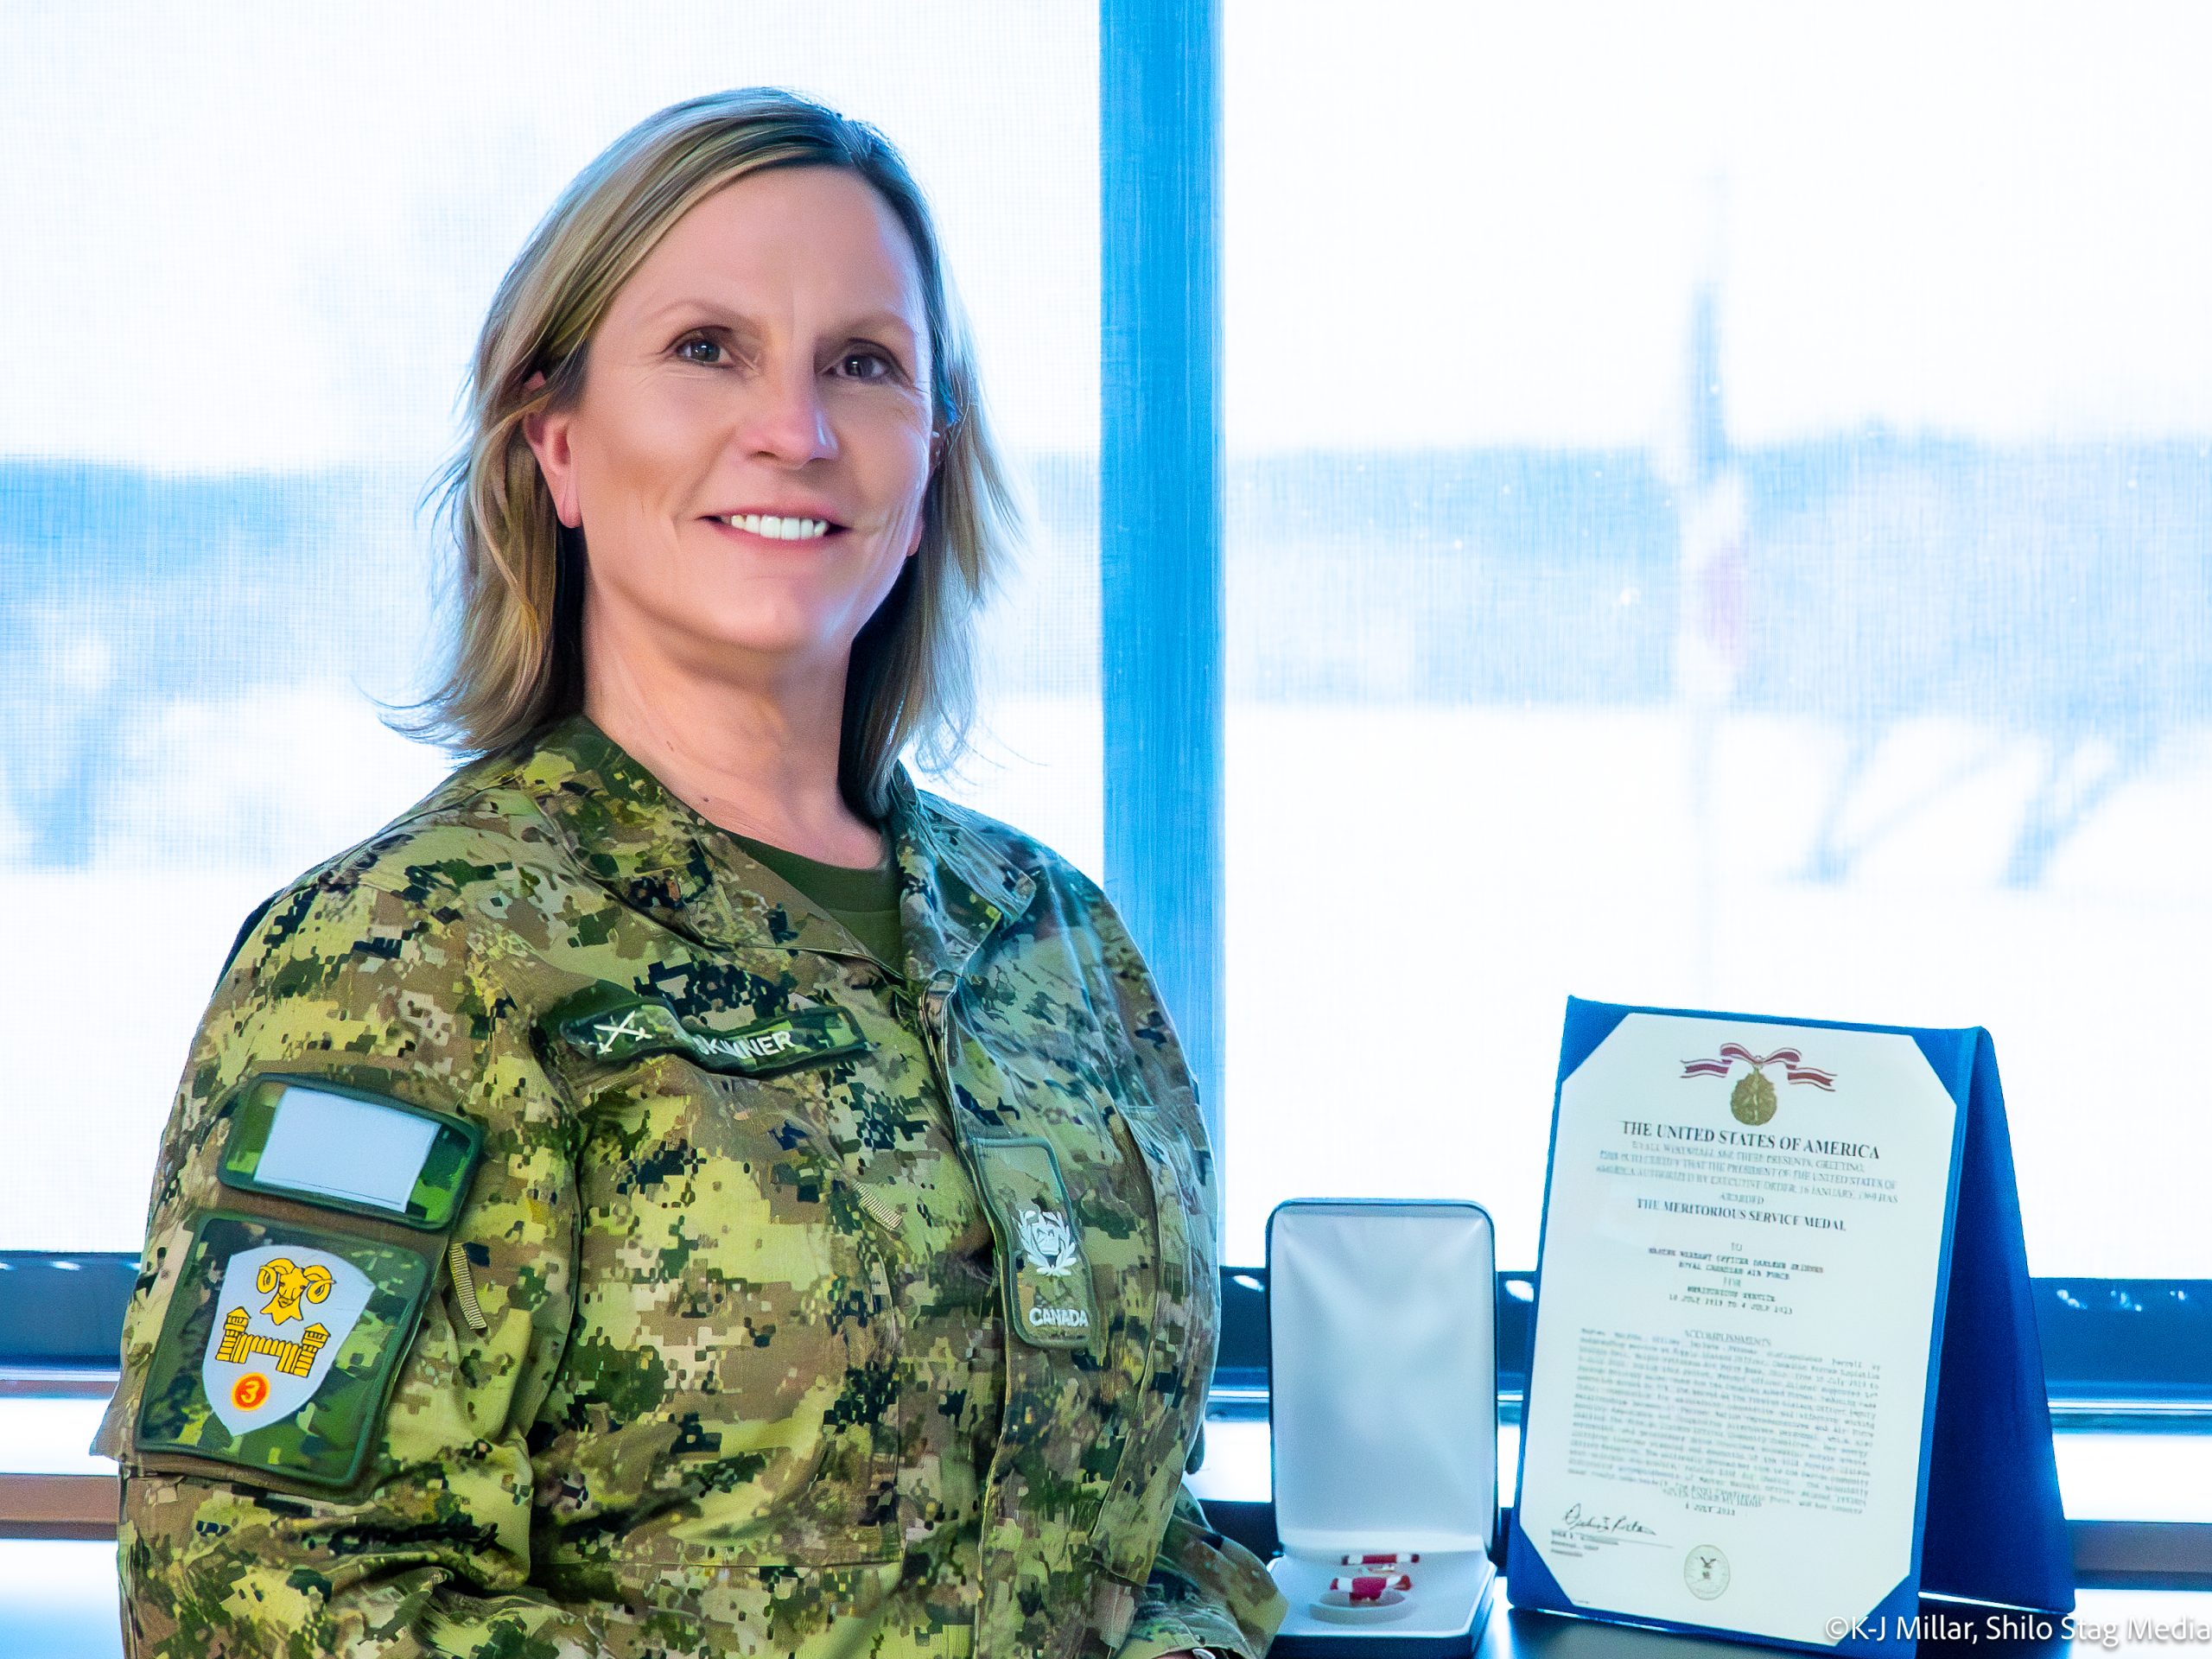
(1382, 1409)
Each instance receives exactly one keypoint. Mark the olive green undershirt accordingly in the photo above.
(865, 902)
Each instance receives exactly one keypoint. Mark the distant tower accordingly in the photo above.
(1711, 622)
(1703, 427)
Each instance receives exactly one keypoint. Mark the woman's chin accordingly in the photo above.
(782, 635)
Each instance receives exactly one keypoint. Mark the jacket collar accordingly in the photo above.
(628, 833)
(956, 888)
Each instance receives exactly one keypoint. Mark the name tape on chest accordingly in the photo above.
(614, 1031)
(1045, 1276)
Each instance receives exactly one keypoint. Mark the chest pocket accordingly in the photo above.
(728, 1395)
(1157, 1285)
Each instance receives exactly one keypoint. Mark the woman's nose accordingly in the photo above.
(784, 418)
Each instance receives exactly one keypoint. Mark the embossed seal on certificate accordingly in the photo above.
(1704, 1569)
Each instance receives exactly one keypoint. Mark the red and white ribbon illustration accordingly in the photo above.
(1791, 1061)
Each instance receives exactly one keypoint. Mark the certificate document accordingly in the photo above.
(1743, 1252)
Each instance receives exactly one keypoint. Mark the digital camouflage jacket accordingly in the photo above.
(566, 1240)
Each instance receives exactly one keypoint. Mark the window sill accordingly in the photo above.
(2137, 1482)
(2138, 1501)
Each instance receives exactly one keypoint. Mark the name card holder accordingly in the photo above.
(1785, 1378)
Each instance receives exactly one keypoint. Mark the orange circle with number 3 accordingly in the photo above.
(249, 1391)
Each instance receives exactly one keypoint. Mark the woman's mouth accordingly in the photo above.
(777, 528)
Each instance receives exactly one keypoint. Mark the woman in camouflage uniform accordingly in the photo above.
(571, 1238)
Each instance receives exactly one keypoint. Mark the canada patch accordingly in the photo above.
(1047, 1283)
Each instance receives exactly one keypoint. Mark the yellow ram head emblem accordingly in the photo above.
(291, 1284)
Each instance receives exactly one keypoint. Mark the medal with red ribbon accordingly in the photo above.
(1370, 1586)
(1752, 1100)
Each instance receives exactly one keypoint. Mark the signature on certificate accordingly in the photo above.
(1578, 1519)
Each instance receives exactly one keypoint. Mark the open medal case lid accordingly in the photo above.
(1382, 1403)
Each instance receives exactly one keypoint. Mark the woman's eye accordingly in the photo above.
(864, 366)
(699, 349)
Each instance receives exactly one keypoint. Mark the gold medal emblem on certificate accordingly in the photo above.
(1753, 1100)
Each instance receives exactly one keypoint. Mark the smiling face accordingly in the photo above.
(748, 456)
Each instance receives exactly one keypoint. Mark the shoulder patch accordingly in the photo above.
(279, 1348)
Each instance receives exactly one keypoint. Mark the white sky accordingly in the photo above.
(257, 235)
(261, 236)
(1462, 224)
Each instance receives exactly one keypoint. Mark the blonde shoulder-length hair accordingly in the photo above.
(516, 659)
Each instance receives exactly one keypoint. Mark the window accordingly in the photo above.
(244, 269)
(1720, 514)
(1720, 511)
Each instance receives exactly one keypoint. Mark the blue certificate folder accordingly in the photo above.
(1987, 1526)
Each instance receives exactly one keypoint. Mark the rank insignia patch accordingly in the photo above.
(280, 1346)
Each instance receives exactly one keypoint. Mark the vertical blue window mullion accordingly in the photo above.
(1159, 492)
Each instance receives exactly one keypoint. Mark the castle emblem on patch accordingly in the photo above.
(280, 1317)
(1753, 1099)
(1048, 1242)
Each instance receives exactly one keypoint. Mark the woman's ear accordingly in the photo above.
(547, 432)
(940, 440)
(922, 516)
